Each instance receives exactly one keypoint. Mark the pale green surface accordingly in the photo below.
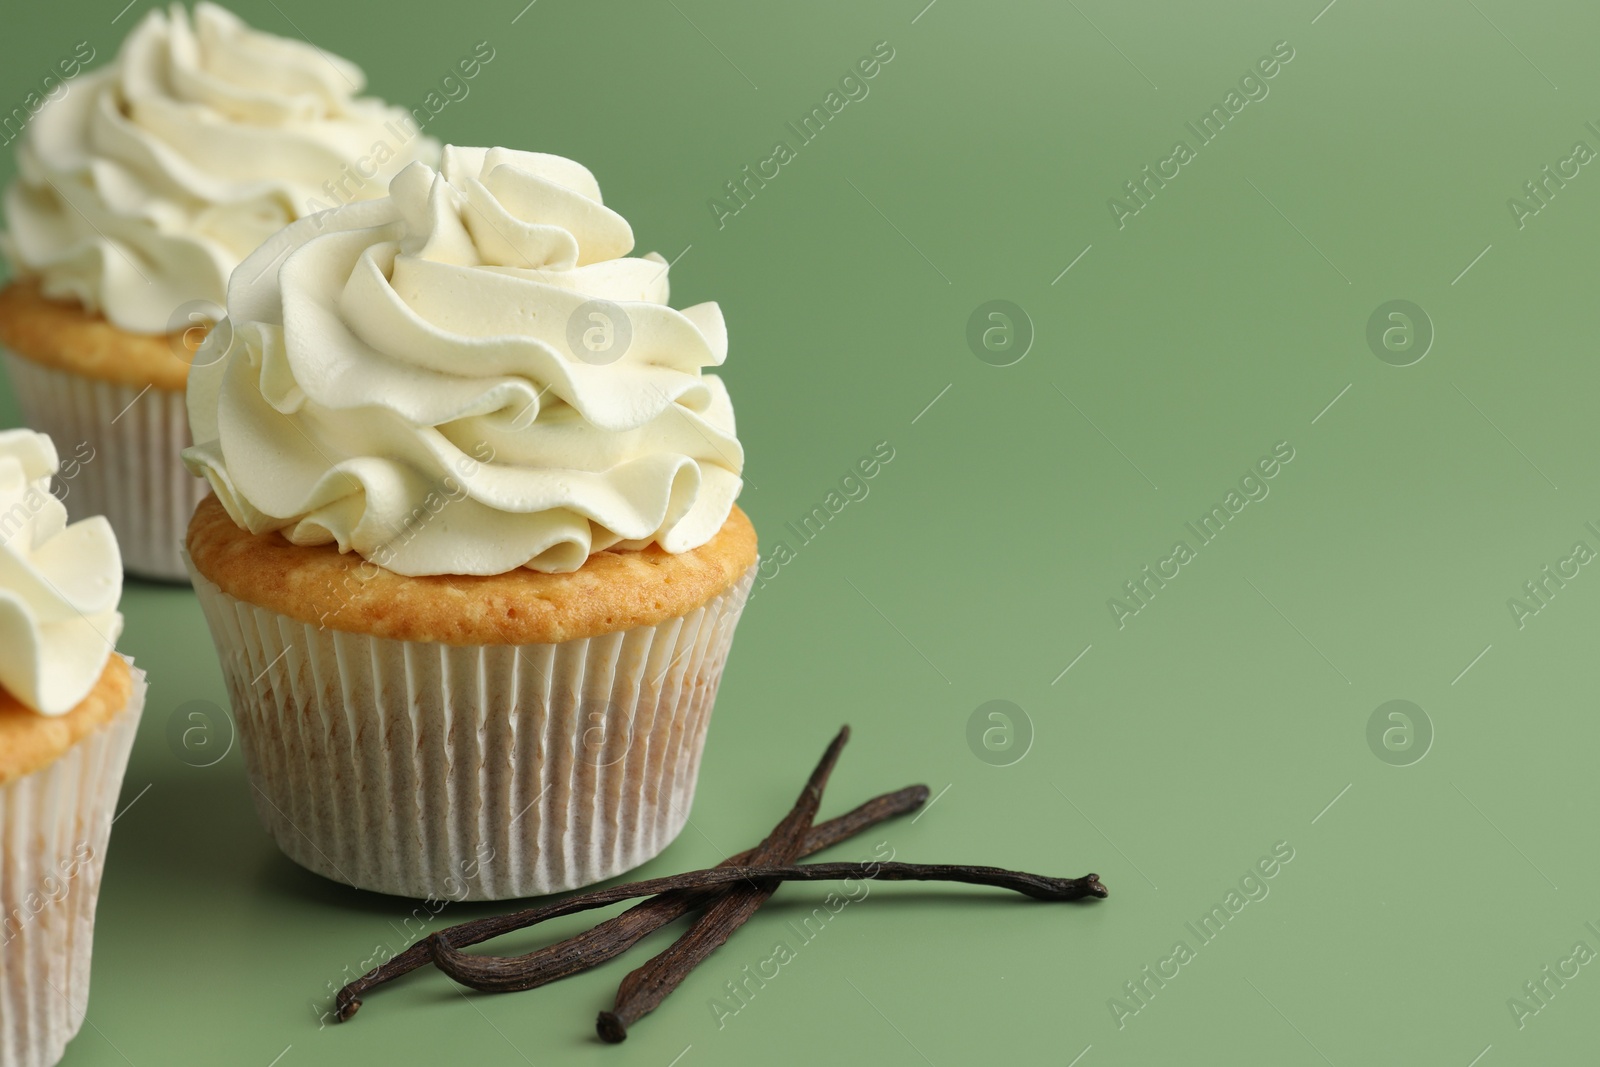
(1196, 338)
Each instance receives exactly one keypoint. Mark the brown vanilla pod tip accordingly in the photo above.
(610, 1028)
(345, 1005)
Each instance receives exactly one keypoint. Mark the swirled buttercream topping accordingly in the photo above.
(59, 584)
(146, 182)
(469, 376)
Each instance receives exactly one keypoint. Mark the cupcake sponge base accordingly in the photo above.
(612, 591)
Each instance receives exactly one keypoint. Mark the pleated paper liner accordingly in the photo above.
(54, 828)
(119, 450)
(471, 773)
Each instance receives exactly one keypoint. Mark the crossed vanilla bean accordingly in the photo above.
(614, 936)
(648, 986)
(729, 894)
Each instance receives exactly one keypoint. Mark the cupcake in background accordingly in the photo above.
(139, 189)
(69, 708)
(473, 564)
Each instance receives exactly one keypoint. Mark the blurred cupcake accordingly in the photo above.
(69, 707)
(473, 564)
(140, 188)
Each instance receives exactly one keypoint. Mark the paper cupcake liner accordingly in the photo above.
(471, 773)
(135, 478)
(54, 827)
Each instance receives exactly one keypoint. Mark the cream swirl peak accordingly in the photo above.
(144, 185)
(467, 377)
(59, 584)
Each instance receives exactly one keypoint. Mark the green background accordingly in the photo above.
(1227, 716)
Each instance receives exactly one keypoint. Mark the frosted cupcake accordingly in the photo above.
(473, 564)
(141, 186)
(69, 707)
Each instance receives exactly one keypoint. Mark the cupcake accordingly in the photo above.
(473, 562)
(69, 707)
(141, 186)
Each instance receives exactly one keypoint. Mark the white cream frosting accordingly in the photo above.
(142, 187)
(59, 584)
(425, 380)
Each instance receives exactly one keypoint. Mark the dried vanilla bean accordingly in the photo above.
(495, 973)
(729, 894)
(618, 934)
(647, 986)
